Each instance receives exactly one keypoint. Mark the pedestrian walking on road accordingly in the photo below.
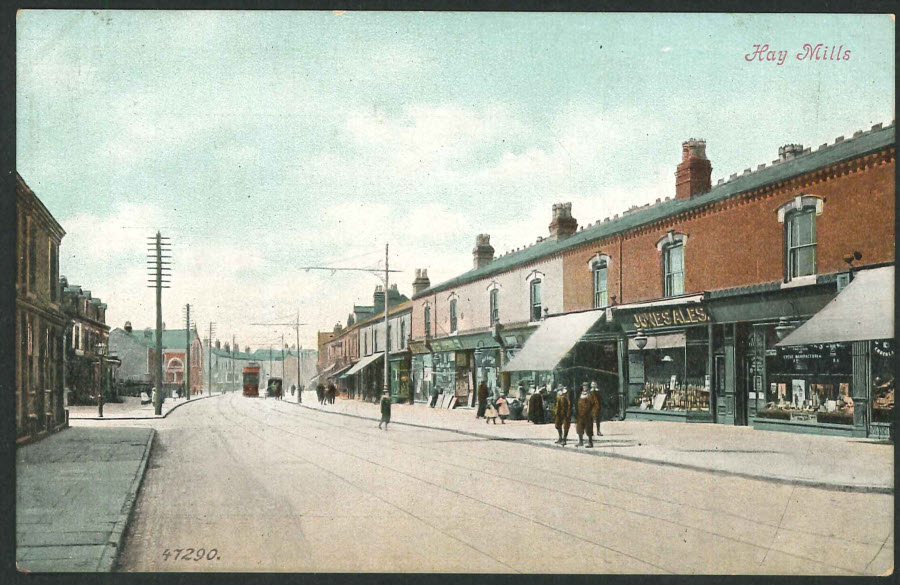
(563, 417)
(320, 393)
(595, 390)
(586, 412)
(536, 407)
(100, 403)
(385, 410)
(482, 399)
(503, 408)
(332, 390)
(293, 389)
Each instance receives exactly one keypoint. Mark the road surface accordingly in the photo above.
(265, 485)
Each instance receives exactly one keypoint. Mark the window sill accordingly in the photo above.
(800, 281)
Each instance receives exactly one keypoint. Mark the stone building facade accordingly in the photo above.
(40, 323)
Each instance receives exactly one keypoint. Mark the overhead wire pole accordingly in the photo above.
(296, 325)
(385, 279)
(160, 273)
(187, 352)
(209, 346)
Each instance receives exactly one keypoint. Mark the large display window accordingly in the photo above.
(810, 383)
(883, 381)
(674, 372)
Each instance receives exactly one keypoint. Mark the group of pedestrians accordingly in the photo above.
(326, 395)
(491, 410)
(587, 414)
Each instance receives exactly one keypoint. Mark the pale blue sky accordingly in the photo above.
(261, 141)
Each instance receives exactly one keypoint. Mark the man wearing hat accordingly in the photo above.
(385, 410)
(587, 408)
(562, 419)
(595, 390)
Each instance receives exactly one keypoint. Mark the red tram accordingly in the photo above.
(251, 380)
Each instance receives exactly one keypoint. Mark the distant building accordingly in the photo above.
(40, 323)
(137, 352)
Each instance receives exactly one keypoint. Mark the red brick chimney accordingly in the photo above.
(694, 171)
(563, 224)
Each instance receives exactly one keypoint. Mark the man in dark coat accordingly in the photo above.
(320, 393)
(586, 411)
(595, 390)
(332, 390)
(434, 395)
(536, 407)
(482, 399)
(563, 419)
(385, 410)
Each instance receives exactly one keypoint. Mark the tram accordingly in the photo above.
(251, 380)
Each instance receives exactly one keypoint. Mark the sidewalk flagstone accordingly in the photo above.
(820, 461)
(74, 494)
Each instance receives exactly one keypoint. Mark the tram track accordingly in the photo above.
(325, 426)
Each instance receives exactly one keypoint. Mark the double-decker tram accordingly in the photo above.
(251, 380)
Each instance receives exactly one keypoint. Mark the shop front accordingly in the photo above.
(670, 359)
(834, 373)
(369, 375)
(567, 350)
(400, 364)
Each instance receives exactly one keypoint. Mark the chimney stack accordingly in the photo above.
(694, 171)
(127, 326)
(421, 282)
(789, 151)
(563, 224)
(483, 252)
(378, 299)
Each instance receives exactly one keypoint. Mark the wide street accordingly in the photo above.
(272, 486)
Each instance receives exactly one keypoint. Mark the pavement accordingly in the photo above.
(130, 409)
(835, 463)
(75, 491)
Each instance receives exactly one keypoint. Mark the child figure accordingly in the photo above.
(490, 413)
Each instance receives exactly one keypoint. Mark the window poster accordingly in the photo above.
(798, 393)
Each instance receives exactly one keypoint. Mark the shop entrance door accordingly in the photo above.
(741, 394)
(724, 397)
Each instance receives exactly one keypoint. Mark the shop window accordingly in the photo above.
(495, 306)
(883, 381)
(800, 243)
(427, 321)
(673, 269)
(536, 299)
(601, 291)
(674, 372)
(453, 319)
(809, 383)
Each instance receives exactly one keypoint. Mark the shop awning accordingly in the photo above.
(864, 310)
(338, 373)
(363, 363)
(549, 344)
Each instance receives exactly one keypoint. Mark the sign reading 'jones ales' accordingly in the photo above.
(667, 317)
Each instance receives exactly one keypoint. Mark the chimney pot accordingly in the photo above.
(421, 282)
(838, 139)
(128, 326)
(563, 224)
(789, 151)
(876, 127)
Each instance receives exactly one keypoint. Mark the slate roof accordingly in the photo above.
(865, 143)
(171, 338)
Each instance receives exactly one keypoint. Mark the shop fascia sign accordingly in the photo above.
(669, 316)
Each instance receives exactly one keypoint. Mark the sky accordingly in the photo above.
(261, 143)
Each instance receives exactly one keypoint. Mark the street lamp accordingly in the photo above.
(102, 349)
(640, 340)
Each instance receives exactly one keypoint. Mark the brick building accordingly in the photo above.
(137, 352)
(40, 323)
(683, 309)
(88, 361)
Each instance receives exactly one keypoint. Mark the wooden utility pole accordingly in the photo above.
(387, 366)
(187, 352)
(209, 348)
(232, 363)
(160, 273)
(296, 325)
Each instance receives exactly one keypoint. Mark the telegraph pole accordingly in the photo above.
(187, 352)
(232, 363)
(160, 273)
(209, 346)
(387, 341)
